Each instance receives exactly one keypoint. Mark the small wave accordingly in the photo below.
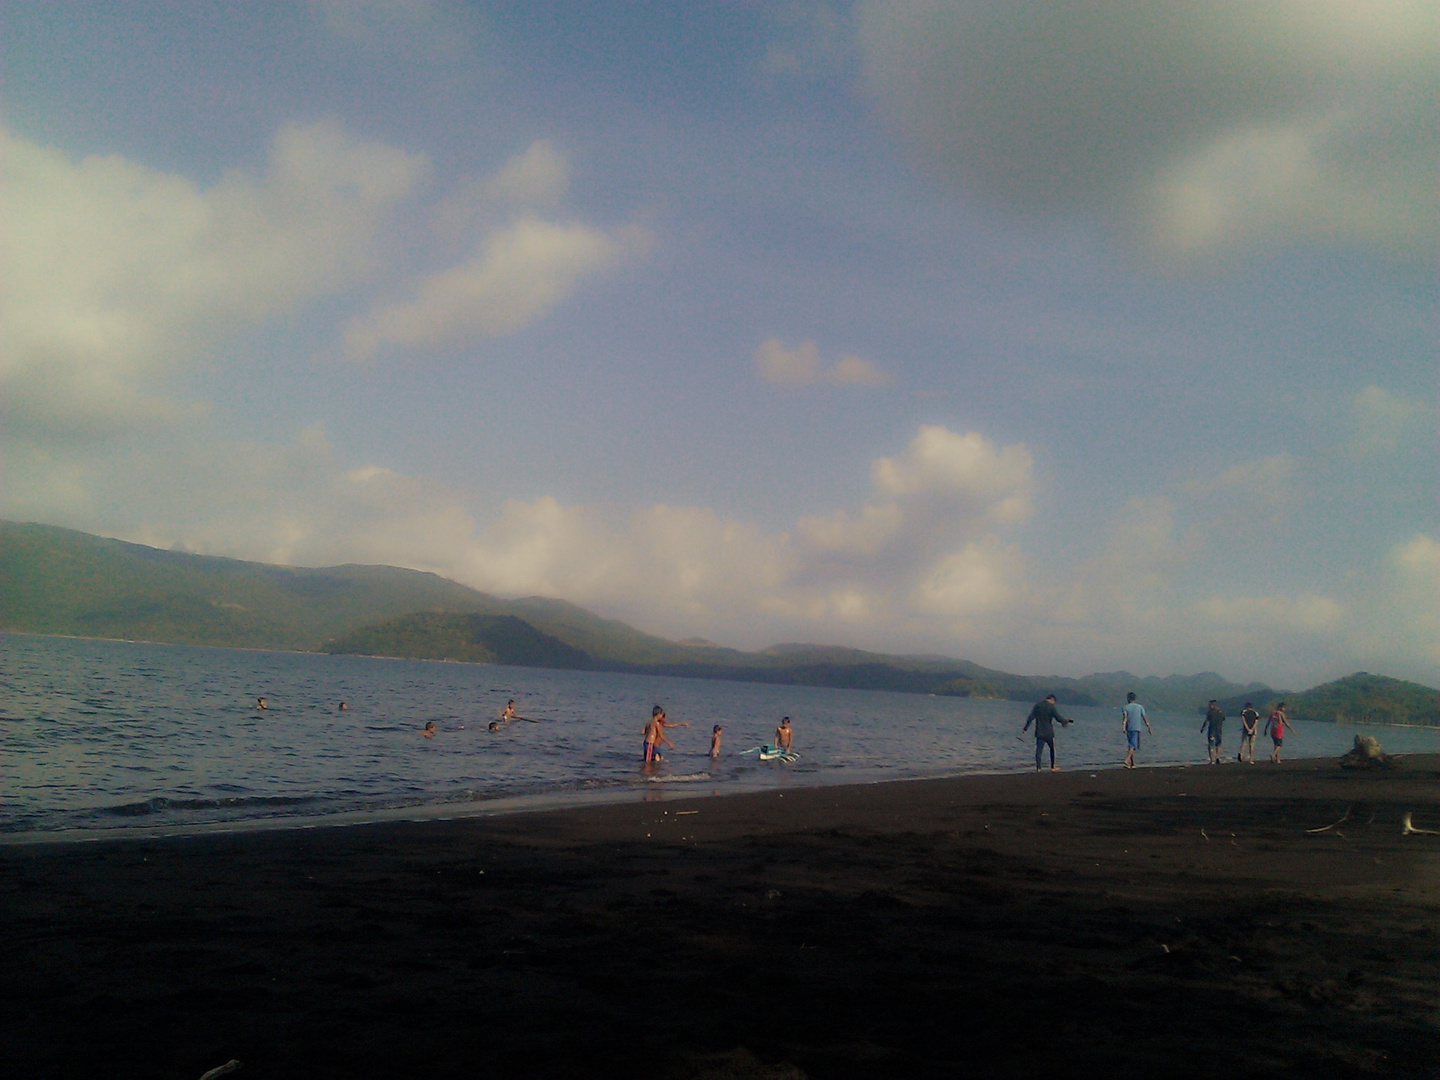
(680, 779)
(159, 804)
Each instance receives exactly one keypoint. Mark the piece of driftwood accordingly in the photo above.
(229, 1067)
(1410, 830)
(1366, 754)
(1327, 828)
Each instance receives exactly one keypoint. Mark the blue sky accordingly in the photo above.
(1060, 337)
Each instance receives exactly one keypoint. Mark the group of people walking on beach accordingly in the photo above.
(1045, 714)
(1277, 727)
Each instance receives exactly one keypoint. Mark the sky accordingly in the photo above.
(1059, 336)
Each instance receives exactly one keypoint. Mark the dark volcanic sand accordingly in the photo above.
(1023, 926)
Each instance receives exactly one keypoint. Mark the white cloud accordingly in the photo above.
(518, 275)
(970, 466)
(917, 552)
(862, 535)
(919, 555)
(537, 179)
(802, 366)
(116, 273)
(977, 579)
(1193, 128)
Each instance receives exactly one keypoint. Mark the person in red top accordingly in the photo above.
(1276, 727)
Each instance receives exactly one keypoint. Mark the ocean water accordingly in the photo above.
(102, 738)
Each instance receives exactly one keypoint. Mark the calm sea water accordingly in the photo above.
(102, 738)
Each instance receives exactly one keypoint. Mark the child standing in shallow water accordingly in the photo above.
(715, 742)
(783, 735)
(655, 735)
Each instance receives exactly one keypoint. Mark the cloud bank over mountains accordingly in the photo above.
(516, 345)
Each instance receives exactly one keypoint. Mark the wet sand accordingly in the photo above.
(1164, 922)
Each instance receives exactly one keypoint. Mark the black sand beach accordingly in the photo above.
(1164, 922)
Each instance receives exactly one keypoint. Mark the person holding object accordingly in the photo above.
(1249, 724)
(1044, 714)
(1215, 722)
(1132, 715)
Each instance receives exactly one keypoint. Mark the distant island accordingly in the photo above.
(59, 581)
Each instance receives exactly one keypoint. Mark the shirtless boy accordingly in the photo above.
(715, 741)
(655, 735)
(783, 734)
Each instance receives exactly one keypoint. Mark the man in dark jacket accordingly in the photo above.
(1044, 714)
(1214, 726)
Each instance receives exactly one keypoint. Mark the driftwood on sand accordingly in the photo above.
(1366, 754)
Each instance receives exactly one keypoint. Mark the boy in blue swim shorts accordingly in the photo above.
(1132, 715)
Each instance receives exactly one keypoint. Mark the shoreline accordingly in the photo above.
(622, 792)
(1183, 920)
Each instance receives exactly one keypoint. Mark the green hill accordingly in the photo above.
(57, 581)
(1366, 699)
(475, 639)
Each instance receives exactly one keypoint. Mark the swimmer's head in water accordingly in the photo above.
(429, 725)
(494, 725)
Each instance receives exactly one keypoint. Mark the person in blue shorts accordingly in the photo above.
(1132, 715)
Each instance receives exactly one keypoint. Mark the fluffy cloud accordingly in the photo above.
(518, 269)
(916, 554)
(1194, 128)
(118, 276)
(977, 579)
(913, 551)
(537, 179)
(932, 559)
(116, 273)
(802, 366)
(518, 275)
(1384, 420)
(967, 466)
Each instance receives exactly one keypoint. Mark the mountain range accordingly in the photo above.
(59, 581)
